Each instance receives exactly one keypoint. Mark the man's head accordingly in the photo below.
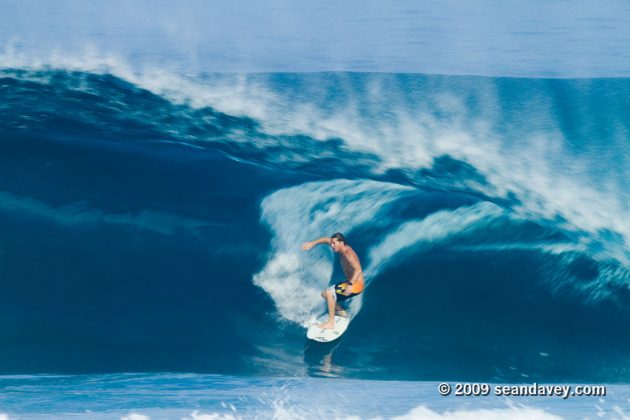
(338, 242)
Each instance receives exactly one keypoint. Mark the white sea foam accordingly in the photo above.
(282, 412)
(135, 416)
(197, 415)
(512, 413)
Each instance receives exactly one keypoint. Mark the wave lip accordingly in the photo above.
(516, 148)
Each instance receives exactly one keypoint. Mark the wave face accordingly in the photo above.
(152, 222)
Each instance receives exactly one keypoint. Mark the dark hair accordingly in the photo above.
(339, 236)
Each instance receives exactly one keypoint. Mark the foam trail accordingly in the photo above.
(434, 228)
(295, 279)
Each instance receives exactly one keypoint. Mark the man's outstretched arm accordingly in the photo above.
(308, 245)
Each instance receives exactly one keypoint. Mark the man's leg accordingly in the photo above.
(330, 300)
(340, 311)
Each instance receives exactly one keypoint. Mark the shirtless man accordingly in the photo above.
(352, 286)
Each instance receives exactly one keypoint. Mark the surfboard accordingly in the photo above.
(324, 335)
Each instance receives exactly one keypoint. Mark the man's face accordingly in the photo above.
(336, 245)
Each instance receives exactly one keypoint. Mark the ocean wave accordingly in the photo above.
(375, 124)
(512, 190)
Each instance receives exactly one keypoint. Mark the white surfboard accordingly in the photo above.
(325, 335)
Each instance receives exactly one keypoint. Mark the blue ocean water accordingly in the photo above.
(226, 397)
(144, 230)
(151, 216)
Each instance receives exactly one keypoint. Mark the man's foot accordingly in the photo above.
(329, 325)
(342, 313)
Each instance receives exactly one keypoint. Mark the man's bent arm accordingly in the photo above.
(308, 245)
(358, 271)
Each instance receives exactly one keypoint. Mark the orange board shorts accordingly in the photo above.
(340, 288)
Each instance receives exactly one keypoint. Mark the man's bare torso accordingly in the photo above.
(344, 259)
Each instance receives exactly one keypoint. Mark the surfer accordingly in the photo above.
(352, 286)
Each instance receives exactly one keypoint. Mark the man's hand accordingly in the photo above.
(307, 245)
(347, 290)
